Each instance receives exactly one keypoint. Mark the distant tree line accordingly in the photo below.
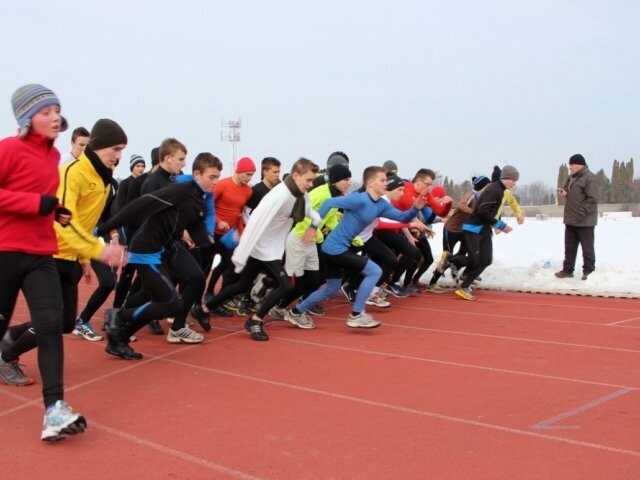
(622, 187)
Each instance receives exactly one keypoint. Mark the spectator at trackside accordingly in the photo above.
(582, 194)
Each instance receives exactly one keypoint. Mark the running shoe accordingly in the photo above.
(316, 310)
(12, 374)
(375, 301)
(60, 420)
(396, 290)
(155, 328)
(299, 320)
(466, 294)
(362, 320)
(277, 313)
(184, 335)
(256, 329)
(348, 293)
(86, 331)
(204, 319)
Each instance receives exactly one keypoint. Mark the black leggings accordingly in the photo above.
(220, 269)
(409, 255)
(303, 286)
(479, 247)
(124, 285)
(185, 270)
(427, 256)
(106, 283)
(179, 267)
(381, 255)
(37, 277)
(449, 242)
(69, 275)
(272, 268)
(164, 300)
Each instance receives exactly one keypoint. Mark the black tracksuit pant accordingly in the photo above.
(583, 237)
(38, 278)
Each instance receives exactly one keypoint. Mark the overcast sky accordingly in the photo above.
(456, 86)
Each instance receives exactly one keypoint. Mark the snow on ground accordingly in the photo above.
(527, 258)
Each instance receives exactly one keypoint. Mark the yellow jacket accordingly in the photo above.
(512, 202)
(84, 193)
(317, 196)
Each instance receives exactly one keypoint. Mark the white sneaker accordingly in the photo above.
(362, 320)
(60, 421)
(184, 335)
(277, 313)
(299, 320)
(86, 331)
(376, 301)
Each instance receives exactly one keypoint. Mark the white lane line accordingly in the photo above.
(548, 423)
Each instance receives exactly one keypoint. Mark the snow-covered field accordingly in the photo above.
(526, 259)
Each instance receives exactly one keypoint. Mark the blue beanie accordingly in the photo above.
(480, 182)
(29, 99)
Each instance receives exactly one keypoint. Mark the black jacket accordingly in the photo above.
(167, 212)
(157, 180)
(486, 210)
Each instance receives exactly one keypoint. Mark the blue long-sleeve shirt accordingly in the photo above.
(359, 211)
(209, 205)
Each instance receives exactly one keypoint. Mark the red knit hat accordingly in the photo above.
(245, 164)
(438, 192)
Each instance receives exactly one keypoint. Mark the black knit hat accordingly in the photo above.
(495, 175)
(155, 156)
(106, 133)
(480, 182)
(394, 182)
(338, 172)
(577, 159)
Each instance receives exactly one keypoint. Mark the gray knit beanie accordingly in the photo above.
(509, 172)
(29, 100)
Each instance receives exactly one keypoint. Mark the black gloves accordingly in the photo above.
(47, 204)
(60, 211)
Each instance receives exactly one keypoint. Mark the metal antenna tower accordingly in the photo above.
(231, 134)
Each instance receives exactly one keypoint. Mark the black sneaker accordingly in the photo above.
(255, 328)
(221, 312)
(204, 319)
(155, 328)
(316, 310)
(348, 293)
(122, 350)
(244, 307)
(232, 305)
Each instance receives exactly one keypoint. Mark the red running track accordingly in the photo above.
(514, 385)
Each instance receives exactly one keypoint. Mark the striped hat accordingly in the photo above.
(136, 159)
(29, 99)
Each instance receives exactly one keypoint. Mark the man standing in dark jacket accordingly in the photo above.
(582, 193)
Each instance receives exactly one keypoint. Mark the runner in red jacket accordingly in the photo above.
(28, 183)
